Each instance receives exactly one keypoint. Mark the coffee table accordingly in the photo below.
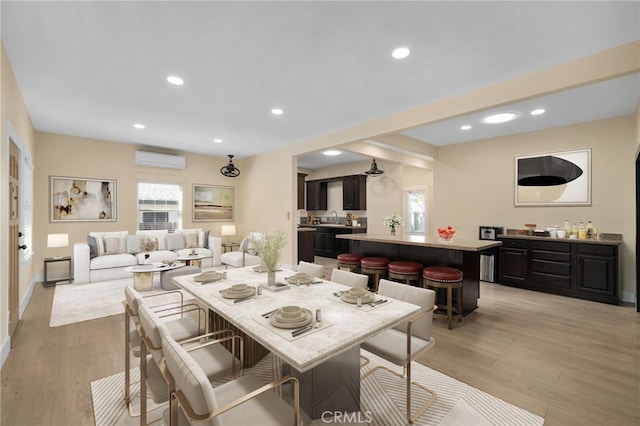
(192, 259)
(143, 274)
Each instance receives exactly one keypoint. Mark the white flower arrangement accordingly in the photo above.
(269, 247)
(392, 221)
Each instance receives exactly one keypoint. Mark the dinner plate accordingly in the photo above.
(236, 293)
(367, 297)
(300, 277)
(207, 277)
(300, 322)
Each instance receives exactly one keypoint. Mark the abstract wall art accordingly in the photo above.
(212, 203)
(554, 179)
(82, 199)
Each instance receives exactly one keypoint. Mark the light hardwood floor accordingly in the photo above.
(572, 362)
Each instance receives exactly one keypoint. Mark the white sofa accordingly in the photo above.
(105, 255)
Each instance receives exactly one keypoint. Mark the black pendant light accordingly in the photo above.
(374, 170)
(230, 170)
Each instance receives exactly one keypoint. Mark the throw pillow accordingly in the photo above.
(175, 241)
(93, 247)
(148, 244)
(205, 243)
(133, 244)
(112, 245)
(191, 240)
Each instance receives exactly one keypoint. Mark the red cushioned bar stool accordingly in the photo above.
(405, 271)
(447, 278)
(376, 266)
(349, 262)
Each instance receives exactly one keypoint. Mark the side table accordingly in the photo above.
(47, 261)
(229, 246)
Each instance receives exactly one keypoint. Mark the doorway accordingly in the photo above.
(14, 237)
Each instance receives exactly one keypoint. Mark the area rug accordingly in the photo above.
(382, 400)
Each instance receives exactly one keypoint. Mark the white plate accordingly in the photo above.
(301, 278)
(306, 319)
(366, 298)
(228, 294)
(207, 277)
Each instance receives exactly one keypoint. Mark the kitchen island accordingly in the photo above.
(429, 251)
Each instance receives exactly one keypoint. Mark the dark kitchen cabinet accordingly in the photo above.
(316, 195)
(306, 242)
(582, 270)
(354, 192)
(326, 243)
(301, 190)
(513, 261)
(597, 272)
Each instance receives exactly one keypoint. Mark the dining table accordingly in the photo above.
(325, 354)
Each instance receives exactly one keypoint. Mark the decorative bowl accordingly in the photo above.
(291, 311)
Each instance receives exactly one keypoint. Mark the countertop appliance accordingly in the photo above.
(489, 258)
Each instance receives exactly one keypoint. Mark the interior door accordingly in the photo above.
(14, 238)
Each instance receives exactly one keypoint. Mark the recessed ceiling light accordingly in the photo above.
(277, 111)
(401, 52)
(138, 126)
(501, 117)
(538, 111)
(332, 152)
(465, 127)
(217, 140)
(175, 80)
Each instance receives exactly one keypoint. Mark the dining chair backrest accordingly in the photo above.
(189, 378)
(154, 329)
(312, 269)
(134, 299)
(349, 278)
(425, 298)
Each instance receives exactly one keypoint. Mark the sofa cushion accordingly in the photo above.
(100, 237)
(175, 241)
(133, 244)
(94, 251)
(191, 240)
(148, 244)
(113, 245)
(113, 261)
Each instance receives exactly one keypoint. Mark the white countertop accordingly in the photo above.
(345, 325)
(421, 241)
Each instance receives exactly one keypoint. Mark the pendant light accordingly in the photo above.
(230, 170)
(374, 170)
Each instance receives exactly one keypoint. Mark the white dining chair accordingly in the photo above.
(349, 278)
(207, 349)
(184, 326)
(405, 342)
(313, 269)
(196, 401)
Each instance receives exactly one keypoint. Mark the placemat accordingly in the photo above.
(285, 333)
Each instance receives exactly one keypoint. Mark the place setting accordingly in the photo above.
(302, 278)
(238, 293)
(209, 277)
(292, 322)
(360, 298)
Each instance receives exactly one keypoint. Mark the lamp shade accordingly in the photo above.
(57, 240)
(228, 230)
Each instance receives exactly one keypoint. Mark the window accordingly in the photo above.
(159, 206)
(26, 196)
(415, 212)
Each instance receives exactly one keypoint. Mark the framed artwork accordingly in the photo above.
(82, 200)
(554, 179)
(212, 203)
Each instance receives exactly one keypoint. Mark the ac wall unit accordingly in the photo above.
(156, 159)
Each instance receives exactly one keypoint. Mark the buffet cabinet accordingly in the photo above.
(576, 269)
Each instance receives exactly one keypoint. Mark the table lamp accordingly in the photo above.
(227, 231)
(57, 241)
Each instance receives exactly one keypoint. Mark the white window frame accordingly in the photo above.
(178, 220)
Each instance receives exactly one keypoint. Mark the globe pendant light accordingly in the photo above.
(374, 170)
(230, 170)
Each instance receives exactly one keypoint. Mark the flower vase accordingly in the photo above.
(271, 278)
(393, 231)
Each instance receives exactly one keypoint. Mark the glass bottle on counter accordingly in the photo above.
(574, 231)
(567, 228)
(589, 230)
(582, 231)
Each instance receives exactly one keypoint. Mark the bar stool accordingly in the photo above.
(405, 271)
(447, 278)
(376, 266)
(349, 262)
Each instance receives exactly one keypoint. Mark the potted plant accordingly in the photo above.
(392, 222)
(269, 247)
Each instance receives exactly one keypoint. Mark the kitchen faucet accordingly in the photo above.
(336, 216)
